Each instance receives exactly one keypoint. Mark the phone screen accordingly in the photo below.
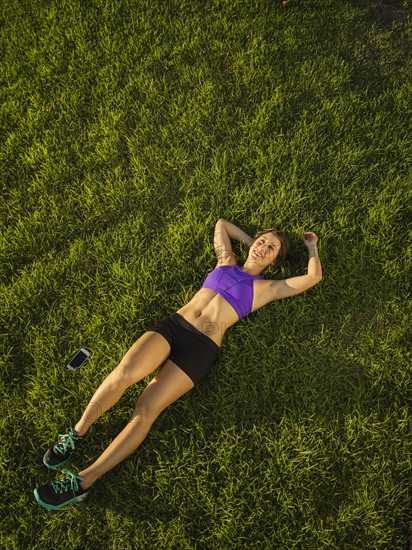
(78, 360)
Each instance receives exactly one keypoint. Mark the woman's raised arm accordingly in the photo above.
(235, 232)
(314, 266)
(224, 231)
(278, 289)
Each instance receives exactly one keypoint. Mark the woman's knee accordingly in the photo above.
(144, 413)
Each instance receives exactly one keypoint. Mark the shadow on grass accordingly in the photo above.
(384, 12)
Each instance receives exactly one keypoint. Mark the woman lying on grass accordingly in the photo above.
(184, 347)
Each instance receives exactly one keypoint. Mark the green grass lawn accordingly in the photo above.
(128, 128)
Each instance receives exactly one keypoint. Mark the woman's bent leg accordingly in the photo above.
(146, 355)
(166, 387)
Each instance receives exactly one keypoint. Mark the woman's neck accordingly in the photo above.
(251, 268)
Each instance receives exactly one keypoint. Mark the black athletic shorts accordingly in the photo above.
(191, 350)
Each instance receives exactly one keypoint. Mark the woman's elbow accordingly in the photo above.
(315, 279)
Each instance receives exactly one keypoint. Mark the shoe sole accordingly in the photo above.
(78, 499)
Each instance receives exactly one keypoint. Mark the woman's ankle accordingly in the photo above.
(81, 431)
(86, 482)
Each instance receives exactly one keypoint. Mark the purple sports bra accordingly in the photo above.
(234, 285)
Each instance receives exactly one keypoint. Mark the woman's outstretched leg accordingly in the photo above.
(165, 388)
(144, 357)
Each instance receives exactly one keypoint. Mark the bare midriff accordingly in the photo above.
(210, 314)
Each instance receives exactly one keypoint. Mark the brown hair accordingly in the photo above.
(284, 245)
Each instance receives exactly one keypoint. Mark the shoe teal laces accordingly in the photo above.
(66, 441)
(71, 483)
(62, 450)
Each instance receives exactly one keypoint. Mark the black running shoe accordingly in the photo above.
(56, 495)
(62, 450)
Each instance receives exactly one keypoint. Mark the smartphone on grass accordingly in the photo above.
(78, 360)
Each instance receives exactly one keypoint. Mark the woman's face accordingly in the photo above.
(264, 250)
